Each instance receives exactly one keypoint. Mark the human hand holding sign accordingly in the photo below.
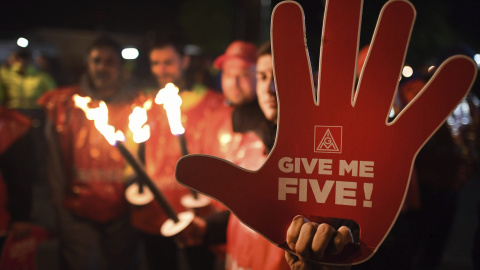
(312, 241)
(335, 154)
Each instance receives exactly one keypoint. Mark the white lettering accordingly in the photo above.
(285, 165)
(345, 167)
(302, 190)
(321, 194)
(309, 167)
(345, 192)
(341, 192)
(325, 166)
(283, 188)
(366, 168)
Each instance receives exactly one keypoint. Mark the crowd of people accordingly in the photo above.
(42, 129)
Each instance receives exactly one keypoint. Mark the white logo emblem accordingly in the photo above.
(328, 139)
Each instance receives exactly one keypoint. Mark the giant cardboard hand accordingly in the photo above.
(335, 154)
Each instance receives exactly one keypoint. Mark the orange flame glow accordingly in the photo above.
(137, 120)
(171, 101)
(137, 124)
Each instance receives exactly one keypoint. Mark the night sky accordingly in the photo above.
(440, 24)
(88, 15)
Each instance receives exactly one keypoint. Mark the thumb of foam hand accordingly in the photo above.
(336, 155)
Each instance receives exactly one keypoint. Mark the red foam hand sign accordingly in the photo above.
(335, 154)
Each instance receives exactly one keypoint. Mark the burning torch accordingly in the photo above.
(172, 101)
(141, 132)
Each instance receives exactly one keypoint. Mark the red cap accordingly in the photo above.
(241, 50)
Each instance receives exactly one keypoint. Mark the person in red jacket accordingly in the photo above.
(87, 175)
(16, 174)
(254, 136)
(19, 236)
(247, 249)
(169, 64)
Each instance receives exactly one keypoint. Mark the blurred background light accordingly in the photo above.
(22, 42)
(130, 53)
(191, 49)
(407, 71)
(392, 113)
(477, 59)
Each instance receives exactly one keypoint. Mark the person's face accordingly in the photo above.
(266, 94)
(167, 65)
(104, 68)
(238, 81)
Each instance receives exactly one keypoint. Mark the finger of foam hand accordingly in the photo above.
(339, 52)
(291, 63)
(213, 176)
(321, 240)
(384, 63)
(429, 109)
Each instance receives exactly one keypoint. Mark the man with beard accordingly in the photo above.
(86, 173)
(169, 64)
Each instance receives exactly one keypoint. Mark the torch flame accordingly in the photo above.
(81, 102)
(171, 101)
(147, 105)
(136, 123)
(137, 120)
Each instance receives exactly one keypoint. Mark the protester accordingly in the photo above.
(19, 235)
(22, 83)
(238, 72)
(20, 87)
(16, 174)
(245, 248)
(86, 173)
(169, 64)
(444, 165)
(237, 66)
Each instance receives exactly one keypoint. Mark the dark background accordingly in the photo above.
(212, 24)
(63, 30)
